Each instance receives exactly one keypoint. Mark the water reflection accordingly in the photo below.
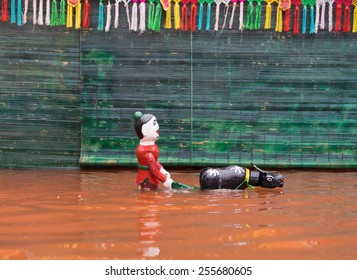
(149, 224)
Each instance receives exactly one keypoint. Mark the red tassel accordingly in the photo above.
(184, 17)
(86, 14)
(287, 20)
(338, 17)
(346, 20)
(296, 20)
(5, 11)
(193, 15)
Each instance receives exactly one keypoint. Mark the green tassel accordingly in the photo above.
(249, 18)
(62, 19)
(151, 13)
(54, 14)
(157, 19)
(258, 13)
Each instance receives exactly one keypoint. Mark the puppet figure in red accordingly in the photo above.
(150, 171)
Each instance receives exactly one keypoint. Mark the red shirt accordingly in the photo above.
(149, 166)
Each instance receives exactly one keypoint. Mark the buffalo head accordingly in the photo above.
(266, 179)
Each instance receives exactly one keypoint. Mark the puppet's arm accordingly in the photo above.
(158, 171)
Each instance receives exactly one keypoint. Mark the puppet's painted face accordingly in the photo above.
(150, 130)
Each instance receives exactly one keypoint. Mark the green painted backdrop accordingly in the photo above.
(220, 97)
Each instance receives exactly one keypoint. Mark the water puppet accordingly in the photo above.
(150, 171)
(239, 178)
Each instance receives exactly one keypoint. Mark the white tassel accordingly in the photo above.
(232, 15)
(330, 27)
(241, 8)
(24, 16)
(116, 18)
(218, 4)
(134, 17)
(109, 17)
(34, 13)
(322, 20)
(142, 24)
(317, 17)
(40, 13)
(226, 8)
(126, 2)
(48, 13)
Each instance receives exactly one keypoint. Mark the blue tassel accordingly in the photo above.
(200, 17)
(19, 13)
(13, 11)
(312, 20)
(208, 22)
(303, 25)
(101, 17)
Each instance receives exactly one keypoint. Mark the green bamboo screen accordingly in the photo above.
(221, 98)
(39, 97)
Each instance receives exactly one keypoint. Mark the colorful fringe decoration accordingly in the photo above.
(319, 5)
(193, 15)
(48, 13)
(184, 15)
(268, 13)
(62, 16)
(71, 5)
(13, 11)
(54, 14)
(5, 11)
(126, 6)
(168, 21)
(285, 6)
(208, 17)
(253, 15)
(296, 23)
(189, 14)
(86, 14)
(346, 27)
(116, 14)
(14, 17)
(24, 15)
(142, 23)
(354, 26)
(109, 17)
(101, 16)
(177, 18)
(19, 13)
(218, 4)
(154, 15)
(234, 7)
(306, 3)
(241, 9)
(40, 13)
(34, 12)
(134, 16)
(347, 16)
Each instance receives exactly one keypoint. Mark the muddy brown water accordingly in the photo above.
(98, 214)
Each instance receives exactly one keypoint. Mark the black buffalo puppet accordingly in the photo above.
(238, 178)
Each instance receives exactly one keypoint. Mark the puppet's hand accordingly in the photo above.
(163, 171)
(167, 184)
